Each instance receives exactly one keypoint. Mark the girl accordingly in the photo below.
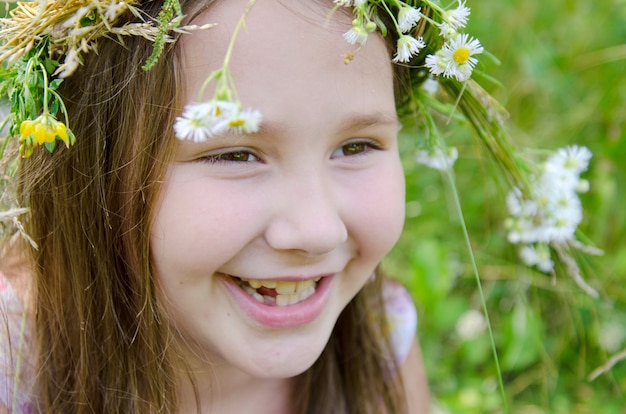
(209, 240)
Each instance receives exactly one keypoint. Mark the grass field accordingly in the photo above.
(563, 64)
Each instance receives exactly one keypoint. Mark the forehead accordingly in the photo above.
(289, 50)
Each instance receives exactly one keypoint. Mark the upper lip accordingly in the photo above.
(290, 278)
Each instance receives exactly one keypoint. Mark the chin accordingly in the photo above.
(285, 358)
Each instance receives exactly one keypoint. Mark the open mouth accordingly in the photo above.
(278, 292)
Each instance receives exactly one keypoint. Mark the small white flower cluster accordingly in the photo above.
(552, 212)
(223, 113)
(203, 120)
(471, 325)
(438, 158)
(455, 59)
(612, 336)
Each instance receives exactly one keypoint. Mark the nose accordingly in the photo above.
(307, 217)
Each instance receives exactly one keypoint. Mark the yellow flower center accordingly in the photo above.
(237, 123)
(461, 55)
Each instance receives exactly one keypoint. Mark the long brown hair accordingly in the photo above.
(104, 343)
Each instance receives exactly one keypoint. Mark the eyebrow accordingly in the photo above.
(350, 122)
(362, 121)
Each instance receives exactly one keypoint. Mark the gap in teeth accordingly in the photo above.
(286, 292)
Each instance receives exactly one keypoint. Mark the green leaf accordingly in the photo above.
(523, 337)
(50, 65)
(54, 106)
(166, 21)
(54, 84)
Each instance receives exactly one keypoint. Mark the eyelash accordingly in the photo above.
(366, 144)
(237, 156)
(230, 157)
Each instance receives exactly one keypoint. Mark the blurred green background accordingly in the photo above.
(563, 64)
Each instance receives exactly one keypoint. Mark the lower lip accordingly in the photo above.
(279, 317)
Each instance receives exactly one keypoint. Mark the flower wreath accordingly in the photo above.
(43, 42)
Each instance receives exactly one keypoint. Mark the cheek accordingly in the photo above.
(198, 226)
(377, 209)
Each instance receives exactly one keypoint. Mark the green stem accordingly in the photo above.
(6, 138)
(45, 88)
(457, 204)
(392, 16)
(231, 45)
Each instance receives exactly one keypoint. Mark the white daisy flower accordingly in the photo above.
(201, 120)
(436, 63)
(519, 231)
(455, 59)
(244, 122)
(199, 110)
(553, 211)
(582, 187)
(567, 211)
(437, 158)
(408, 18)
(447, 32)
(193, 129)
(574, 158)
(348, 3)
(357, 34)
(408, 46)
(458, 17)
(518, 206)
(555, 177)
(538, 255)
(195, 123)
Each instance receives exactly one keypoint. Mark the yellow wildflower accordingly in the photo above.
(44, 129)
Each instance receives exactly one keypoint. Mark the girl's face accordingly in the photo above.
(310, 204)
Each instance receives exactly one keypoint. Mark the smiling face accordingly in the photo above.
(261, 240)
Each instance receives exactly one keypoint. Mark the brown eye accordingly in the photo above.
(353, 148)
(241, 156)
(233, 156)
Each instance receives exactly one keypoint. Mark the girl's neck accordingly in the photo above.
(226, 390)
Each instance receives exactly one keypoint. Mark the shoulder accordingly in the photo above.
(401, 318)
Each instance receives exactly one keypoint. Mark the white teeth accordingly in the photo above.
(282, 300)
(292, 299)
(286, 288)
(304, 285)
(255, 283)
(258, 297)
(269, 283)
(287, 292)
